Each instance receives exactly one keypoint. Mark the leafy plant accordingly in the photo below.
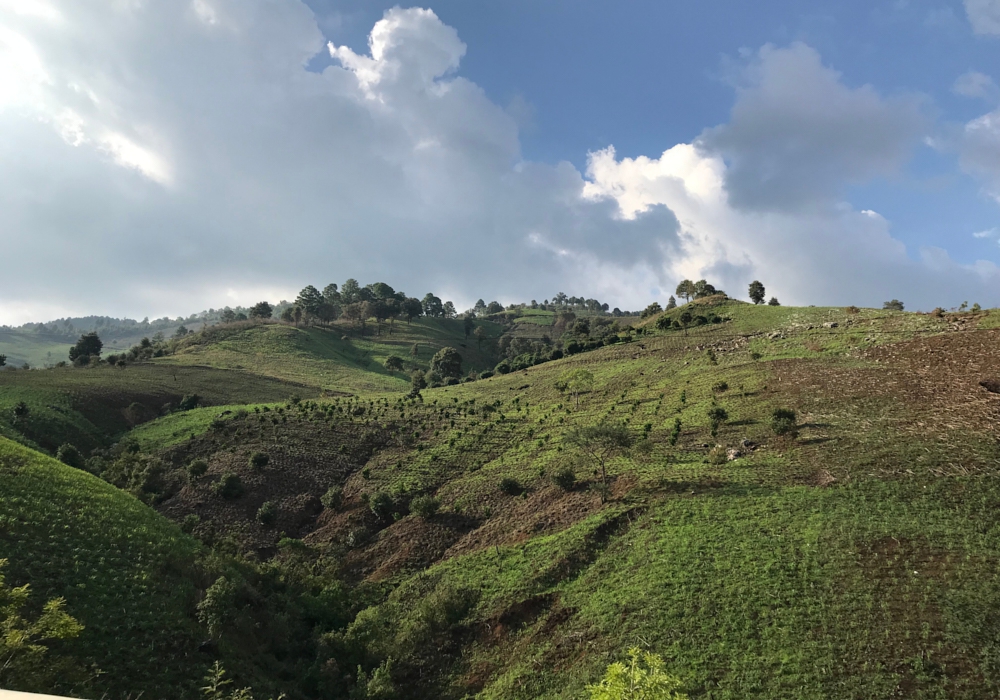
(642, 677)
(564, 478)
(267, 514)
(425, 506)
(229, 486)
(197, 468)
(717, 415)
(259, 460)
(784, 422)
(333, 498)
(510, 486)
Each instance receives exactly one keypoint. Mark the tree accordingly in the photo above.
(382, 291)
(417, 382)
(704, 289)
(227, 315)
(480, 308)
(756, 292)
(671, 303)
(717, 415)
(449, 310)
(432, 306)
(480, 334)
(350, 292)
(575, 381)
(22, 641)
(685, 289)
(602, 442)
(394, 363)
(468, 324)
(261, 310)
(415, 350)
(773, 302)
(411, 308)
(494, 307)
(310, 301)
(353, 312)
(381, 310)
(330, 294)
(643, 677)
(685, 319)
(89, 345)
(3, 360)
(894, 305)
(446, 363)
(651, 310)
(21, 412)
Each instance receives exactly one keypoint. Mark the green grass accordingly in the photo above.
(117, 563)
(336, 359)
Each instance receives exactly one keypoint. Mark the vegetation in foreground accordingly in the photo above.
(758, 500)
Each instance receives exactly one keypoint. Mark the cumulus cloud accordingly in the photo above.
(975, 84)
(797, 135)
(984, 16)
(163, 156)
(980, 150)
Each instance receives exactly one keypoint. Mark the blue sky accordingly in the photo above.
(645, 75)
(167, 155)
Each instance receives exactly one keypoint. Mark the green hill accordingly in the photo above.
(466, 545)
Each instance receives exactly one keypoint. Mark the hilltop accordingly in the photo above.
(849, 551)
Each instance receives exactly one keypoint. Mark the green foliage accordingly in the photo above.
(229, 486)
(446, 363)
(259, 460)
(333, 498)
(717, 455)
(197, 468)
(425, 506)
(267, 514)
(717, 415)
(382, 505)
(576, 382)
(642, 677)
(784, 421)
(564, 478)
(219, 606)
(602, 442)
(510, 486)
(675, 432)
(893, 305)
(89, 345)
(773, 302)
(757, 293)
(394, 363)
(69, 455)
(189, 402)
(23, 642)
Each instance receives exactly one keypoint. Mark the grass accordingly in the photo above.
(117, 563)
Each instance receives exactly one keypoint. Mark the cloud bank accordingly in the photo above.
(163, 156)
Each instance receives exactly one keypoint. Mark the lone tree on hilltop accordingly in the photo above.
(447, 363)
(602, 442)
(89, 345)
(894, 305)
(261, 310)
(685, 289)
(756, 292)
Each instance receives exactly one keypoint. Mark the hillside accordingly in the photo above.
(853, 556)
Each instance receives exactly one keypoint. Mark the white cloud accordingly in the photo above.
(975, 84)
(984, 16)
(159, 157)
(988, 233)
(797, 136)
(980, 150)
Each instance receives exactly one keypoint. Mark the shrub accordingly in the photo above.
(893, 305)
(218, 607)
(564, 479)
(425, 506)
(333, 498)
(267, 513)
(197, 468)
(510, 486)
(784, 421)
(717, 455)
(259, 460)
(720, 387)
(382, 505)
(643, 676)
(503, 367)
(675, 433)
(852, 310)
(357, 537)
(229, 486)
(190, 401)
(717, 415)
(69, 455)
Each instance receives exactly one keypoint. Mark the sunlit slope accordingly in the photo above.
(337, 359)
(87, 406)
(119, 566)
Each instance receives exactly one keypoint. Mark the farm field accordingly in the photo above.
(462, 543)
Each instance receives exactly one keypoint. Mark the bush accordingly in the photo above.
(267, 513)
(219, 606)
(784, 421)
(643, 676)
(333, 498)
(190, 401)
(197, 468)
(510, 486)
(382, 505)
(425, 506)
(717, 455)
(717, 415)
(564, 478)
(720, 387)
(357, 537)
(229, 486)
(503, 367)
(69, 455)
(259, 460)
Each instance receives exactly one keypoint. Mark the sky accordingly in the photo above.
(159, 157)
